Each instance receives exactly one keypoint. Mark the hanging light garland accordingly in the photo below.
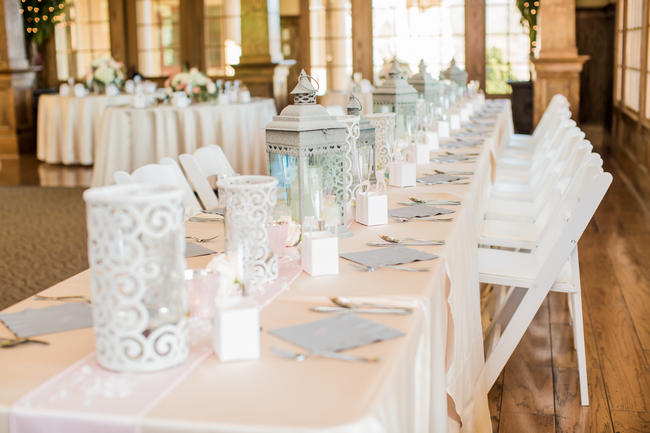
(40, 17)
(529, 11)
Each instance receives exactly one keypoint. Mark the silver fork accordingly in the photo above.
(405, 219)
(200, 240)
(301, 356)
(72, 298)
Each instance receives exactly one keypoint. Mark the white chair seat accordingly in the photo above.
(509, 234)
(507, 268)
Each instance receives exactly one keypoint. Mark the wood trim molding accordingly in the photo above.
(118, 34)
(362, 38)
(303, 32)
(475, 40)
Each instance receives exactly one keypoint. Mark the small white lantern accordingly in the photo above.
(428, 87)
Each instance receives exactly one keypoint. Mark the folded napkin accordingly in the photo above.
(49, 320)
(336, 333)
(195, 250)
(397, 255)
(439, 178)
(418, 211)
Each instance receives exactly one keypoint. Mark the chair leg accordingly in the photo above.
(575, 299)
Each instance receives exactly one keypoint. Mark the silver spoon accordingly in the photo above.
(200, 240)
(420, 201)
(73, 298)
(6, 343)
(393, 240)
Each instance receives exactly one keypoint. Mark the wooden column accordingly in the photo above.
(362, 38)
(262, 67)
(16, 81)
(192, 28)
(475, 40)
(557, 62)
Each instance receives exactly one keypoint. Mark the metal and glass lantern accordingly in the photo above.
(455, 74)
(365, 150)
(396, 95)
(306, 149)
(428, 87)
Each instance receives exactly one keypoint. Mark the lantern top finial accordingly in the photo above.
(422, 67)
(394, 71)
(304, 92)
(354, 105)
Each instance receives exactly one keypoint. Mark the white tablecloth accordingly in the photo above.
(132, 137)
(441, 353)
(68, 127)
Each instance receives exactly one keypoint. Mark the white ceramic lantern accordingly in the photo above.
(455, 74)
(136, 250)
(428, 87)
(307, 151)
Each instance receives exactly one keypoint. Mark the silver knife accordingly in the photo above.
(409, 244)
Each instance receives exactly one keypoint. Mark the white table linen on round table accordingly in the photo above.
(132, 137)
(441, 353)
(68, 127)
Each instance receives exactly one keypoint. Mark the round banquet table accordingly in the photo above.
(133, 137)
(68, 127)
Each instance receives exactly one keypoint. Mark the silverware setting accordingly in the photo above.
(454, 173)
(349, 303)
(390, 241)
(201, 240)
(195, 219)
(407, 219)
(369, 310)
(217, 211)
(415, 200)
(301, 356)
(72, 298)
(366, 268)
(6, 343)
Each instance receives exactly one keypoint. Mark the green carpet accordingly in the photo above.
(42, 239)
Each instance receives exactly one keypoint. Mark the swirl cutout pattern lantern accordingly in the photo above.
(136, 250)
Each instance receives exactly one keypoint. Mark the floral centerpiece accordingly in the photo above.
(195, 84)
(104, 72)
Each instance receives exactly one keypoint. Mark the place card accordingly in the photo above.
(341, 332)
(372, 208)
(443, 129)
(49, 320)
(418, 153)
(402, 174)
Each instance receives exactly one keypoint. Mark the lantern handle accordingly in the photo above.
(313, 80)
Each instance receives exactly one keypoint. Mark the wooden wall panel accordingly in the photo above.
(475, 40)
(362, 37)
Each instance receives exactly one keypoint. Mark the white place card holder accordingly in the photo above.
(372, 208)
(465, 113)
(443, 129)
(431, 139)
(454, 121)
(236, 331)
(402, 174)
(320, 253)
(418, 153)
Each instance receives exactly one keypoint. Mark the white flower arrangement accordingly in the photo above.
(227, 270)
(194, 83)
(104, 72)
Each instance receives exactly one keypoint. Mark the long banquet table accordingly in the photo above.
(132, 137)
(68, 127)
(440, 355)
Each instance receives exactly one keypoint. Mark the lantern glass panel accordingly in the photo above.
(285, 169)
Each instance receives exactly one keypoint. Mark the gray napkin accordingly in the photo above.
(418, 211)
(49, 320)
(452, 158)
(195, 250)
(333, 334)
(397, 255)
(439, 178)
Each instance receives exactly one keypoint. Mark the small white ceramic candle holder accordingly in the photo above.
(454, 121)
(320, 253)
(236, 332)
(372, 208)
(443, 129)
(402, 174)
(418, 153)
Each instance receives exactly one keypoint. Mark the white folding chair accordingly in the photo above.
(532, 275)
(207, 161)
(546, 123)
(166, 173)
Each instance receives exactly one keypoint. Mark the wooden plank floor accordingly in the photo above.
(538, 390)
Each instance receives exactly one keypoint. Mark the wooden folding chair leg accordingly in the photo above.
(575, 300)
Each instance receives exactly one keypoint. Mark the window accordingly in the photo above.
(81, 37)
(402, 27)
(158, 33)
(632, 60)
(620, 30)
(647, 68)
(507, 46)
(222, 20)
(330, 26)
